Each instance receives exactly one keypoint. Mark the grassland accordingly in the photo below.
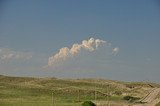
(158, 104)
(26, 91)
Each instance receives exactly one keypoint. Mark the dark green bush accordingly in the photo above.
(130, 98)
(88, 103)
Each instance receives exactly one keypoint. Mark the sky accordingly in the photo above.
(110, 39)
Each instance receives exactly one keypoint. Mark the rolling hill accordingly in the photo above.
(29, 91)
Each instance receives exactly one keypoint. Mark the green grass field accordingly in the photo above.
(23, 91)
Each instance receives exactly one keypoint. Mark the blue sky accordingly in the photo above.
(33, 31)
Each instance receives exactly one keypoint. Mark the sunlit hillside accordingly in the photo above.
(18, 91)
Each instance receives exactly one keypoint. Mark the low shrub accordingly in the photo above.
(130, 98)
(88, 103)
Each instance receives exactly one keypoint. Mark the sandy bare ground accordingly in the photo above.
(150, 99)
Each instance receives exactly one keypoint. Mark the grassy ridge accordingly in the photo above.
(18, 91)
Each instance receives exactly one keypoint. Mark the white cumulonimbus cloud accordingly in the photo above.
(8, 54)
(86, 45)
